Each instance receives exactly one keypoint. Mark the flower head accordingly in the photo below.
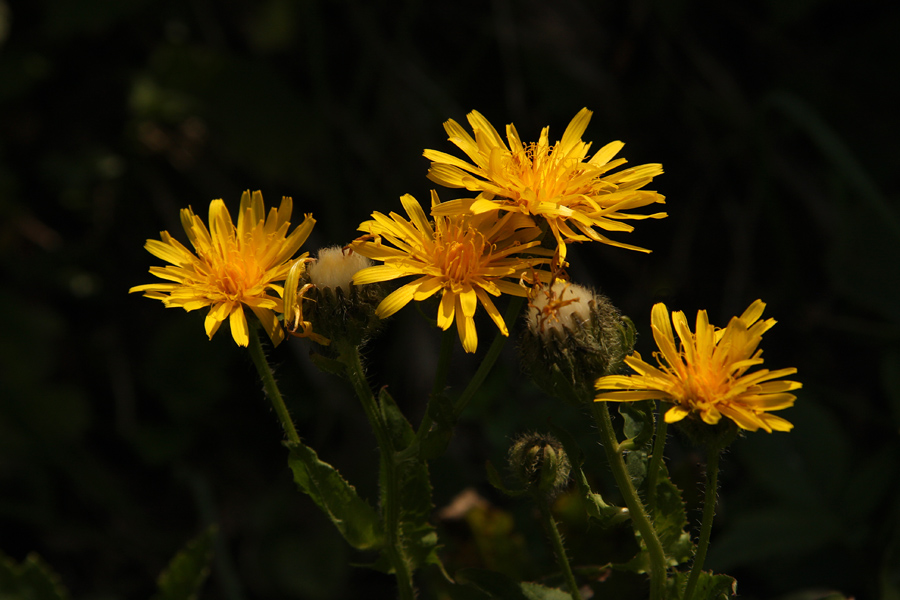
(558, 183)
(573, 335)
(321, 302)
(230, 267)
(467, 258)
(707, 376)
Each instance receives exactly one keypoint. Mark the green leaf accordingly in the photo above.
(31, 580)
(188, 569)
(355, 518)
(418, 535)
(709, 586)
(399, 428)
(497, 585)
(639, 422)
(670, 521)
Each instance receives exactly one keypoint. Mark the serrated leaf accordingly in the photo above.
(636, 464)
(355, 518)
(418, 534)
(670, 520)
(188, 569)
(709, 586)
(31, 580)
(497, 585)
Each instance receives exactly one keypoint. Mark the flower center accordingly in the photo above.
(459, 254)
(232, 275)
(545, 173)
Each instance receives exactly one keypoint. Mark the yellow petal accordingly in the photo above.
(446, 309)
(217, 313)
(676, 413)
(238, 323)
(396, 299)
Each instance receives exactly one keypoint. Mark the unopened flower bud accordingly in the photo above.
(330, 305)
(540, 463)
(573, 336)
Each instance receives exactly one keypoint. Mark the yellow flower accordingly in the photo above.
(468, 258)
(708, 374)
(574, 195)
(232, 267)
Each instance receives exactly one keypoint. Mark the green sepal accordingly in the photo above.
(31, 580)
(188, 569)
(597, 508)
(497, 585)
(709, 587)
(328, 365)
(420, 541)
(355, 518)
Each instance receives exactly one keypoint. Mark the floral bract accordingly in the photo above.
(574, 194)
(468, 258)
(230, 267)
(707, 376)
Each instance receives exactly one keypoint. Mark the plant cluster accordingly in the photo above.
(516, 208)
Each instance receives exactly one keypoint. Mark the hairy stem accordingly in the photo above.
(639, 515)
(556, 540)
(653, 469)
(349, 355)
(270, 386)
(709, 511)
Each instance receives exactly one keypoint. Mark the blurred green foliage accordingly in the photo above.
(124, 432)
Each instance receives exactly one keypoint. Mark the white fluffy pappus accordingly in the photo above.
(334, 268)
(565, 304)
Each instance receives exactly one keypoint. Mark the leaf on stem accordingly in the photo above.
(670, 522)
(497, 585)
(32, 579)
(638, 428)
(418, 535)
(709, 587)
(355, 518)
(188, 569)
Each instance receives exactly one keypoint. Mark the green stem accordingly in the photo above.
(493, 353)
(639, 515)
(448, 339)
(440, 382)
(653, 469)
(558, 548)
(349, 355)
(271, 388)
(709, 511)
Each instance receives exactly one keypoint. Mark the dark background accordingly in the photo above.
(123, 431)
